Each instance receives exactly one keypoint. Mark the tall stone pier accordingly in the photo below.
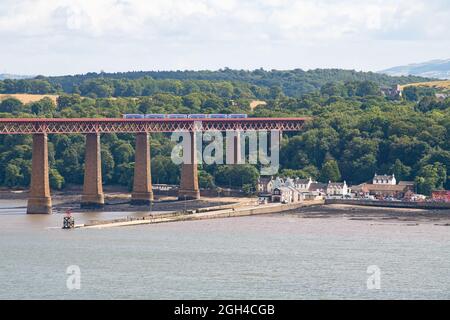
(142, 183)
(39, 201)
(92, 190)
(189, 175)
(233, 147)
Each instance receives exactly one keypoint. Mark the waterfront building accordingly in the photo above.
(411, 196)
(316, 191)
(385, 186)
(337, 189)
(286, 194)
(384, 179)
(303, 184)
(281, 194)
(294, 190)
(265, 184)
(318, 187)
(441, 195)
(382, 191)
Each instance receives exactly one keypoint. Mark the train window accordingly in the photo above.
(218, 116)
(177, 116)
(197, 116)
(155, 116)
(133, 116)
(237, 116)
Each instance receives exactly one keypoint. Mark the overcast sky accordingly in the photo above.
(54, 37)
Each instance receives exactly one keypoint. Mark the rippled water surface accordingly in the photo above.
(260, 257)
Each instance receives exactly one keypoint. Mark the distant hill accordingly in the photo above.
(439, 69)
(292, 82)
(4, 76)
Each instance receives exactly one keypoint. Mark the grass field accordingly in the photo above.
(442, 85)
(27, 98)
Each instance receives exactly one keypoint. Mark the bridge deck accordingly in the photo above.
(119, 125)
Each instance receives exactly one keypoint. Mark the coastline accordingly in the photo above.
(167, 207)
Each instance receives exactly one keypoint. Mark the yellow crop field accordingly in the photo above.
(443, 85)
(256, 103)
(27, 98)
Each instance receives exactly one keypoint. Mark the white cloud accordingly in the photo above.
(229, 24)
(291, 18)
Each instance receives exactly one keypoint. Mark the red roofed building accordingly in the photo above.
(441, 195)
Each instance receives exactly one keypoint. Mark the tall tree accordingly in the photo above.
(330, 171)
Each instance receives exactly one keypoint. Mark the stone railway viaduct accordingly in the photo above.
(39, 200)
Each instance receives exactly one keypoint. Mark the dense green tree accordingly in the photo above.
(431, 177)
(367, 88)
(56, 179)
(13, 176)
(410, 93)
(66, 100)
(401, 171)
(334, 89)
(97, 88)
(108, 165)
(330, 171)
(123, 152)
(164, 171)
(11, 105)
(248, 189)
(44, 107)
(69, 165)
(236, 175)
(205, 180)
(124, 174)
(427, 104)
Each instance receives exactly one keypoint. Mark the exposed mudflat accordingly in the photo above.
(354, 212)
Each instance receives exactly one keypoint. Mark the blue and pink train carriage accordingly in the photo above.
(184, 116)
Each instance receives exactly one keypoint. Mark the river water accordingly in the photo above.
(259, 257)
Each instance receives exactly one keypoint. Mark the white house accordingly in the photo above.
(384, 179)
(283, 191)
(303, 184)
(281, 194)
(286, 194)
(266, 184)
(290, 190)
(337, 189)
